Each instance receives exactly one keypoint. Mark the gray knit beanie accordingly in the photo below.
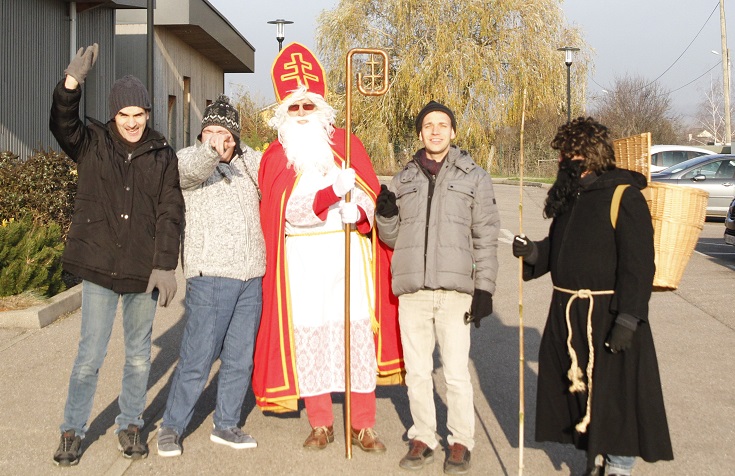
(222, 113)
(128, 91)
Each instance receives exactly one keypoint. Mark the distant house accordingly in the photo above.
(194, 46)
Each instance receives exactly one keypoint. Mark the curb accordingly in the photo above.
(385, 179)
(42, 315)
(505, 181)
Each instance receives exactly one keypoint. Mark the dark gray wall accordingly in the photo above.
(34, 35)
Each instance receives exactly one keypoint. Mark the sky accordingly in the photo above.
(669, 41)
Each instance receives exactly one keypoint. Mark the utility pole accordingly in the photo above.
(725, 74)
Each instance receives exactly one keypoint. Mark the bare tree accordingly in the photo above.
(710, 115)
(475, 56)
(635, 106)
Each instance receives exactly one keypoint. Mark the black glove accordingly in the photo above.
(526, 248)
(621, 334)
(82, 63)
(385, 205)
(481, 307)
(165, 281)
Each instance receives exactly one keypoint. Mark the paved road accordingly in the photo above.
(712, 244)
(694, 328)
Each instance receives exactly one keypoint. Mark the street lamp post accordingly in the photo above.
(280, 35)
(568, 50)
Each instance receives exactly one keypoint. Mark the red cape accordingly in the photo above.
(274, 374)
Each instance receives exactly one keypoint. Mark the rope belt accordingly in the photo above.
(575, 373)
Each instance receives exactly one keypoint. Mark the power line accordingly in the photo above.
(696, 79)
(676, 60)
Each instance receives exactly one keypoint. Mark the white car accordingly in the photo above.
(663, 156)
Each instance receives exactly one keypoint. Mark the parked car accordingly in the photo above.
(663, 156)
(715, 174)
(730, 224)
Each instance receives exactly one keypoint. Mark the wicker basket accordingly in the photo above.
(678, 214)
(634, 153)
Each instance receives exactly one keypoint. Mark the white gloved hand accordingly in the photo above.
(349, 212)
(344, 183)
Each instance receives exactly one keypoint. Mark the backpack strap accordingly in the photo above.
(615, 204)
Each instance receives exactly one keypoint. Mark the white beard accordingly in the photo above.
(307, 145)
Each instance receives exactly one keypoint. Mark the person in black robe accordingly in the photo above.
(598, 380)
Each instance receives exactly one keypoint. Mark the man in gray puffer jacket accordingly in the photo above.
(440, 217)
(224, 262)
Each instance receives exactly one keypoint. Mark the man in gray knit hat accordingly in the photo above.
(224, 261)
(123, 243)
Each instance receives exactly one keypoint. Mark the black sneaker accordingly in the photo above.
(69, 449)
(131, 444)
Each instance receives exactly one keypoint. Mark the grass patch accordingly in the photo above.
(20, 301)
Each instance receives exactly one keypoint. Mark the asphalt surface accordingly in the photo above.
(694, 331)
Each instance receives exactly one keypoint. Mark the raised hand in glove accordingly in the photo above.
(344, 183)
(82, 63)
(526, 248)
(621, 335)
(385, 204)
(481, 307)
(165, 281)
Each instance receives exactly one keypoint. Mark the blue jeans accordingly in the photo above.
(622, 465)
(99, 306)
(223, 316)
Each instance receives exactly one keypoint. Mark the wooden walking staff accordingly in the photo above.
(371, 91)
(521, 356)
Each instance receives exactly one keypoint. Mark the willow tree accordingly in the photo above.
(475, 56)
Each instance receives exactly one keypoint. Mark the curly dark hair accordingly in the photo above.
(584, 137)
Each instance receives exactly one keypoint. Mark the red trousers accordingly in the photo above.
(319, 410)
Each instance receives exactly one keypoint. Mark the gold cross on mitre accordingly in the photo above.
(297, 66)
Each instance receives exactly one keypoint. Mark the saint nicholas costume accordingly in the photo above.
(299, 349)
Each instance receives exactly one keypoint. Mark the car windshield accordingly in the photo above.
(684, 165)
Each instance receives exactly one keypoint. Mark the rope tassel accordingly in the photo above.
(575, 374)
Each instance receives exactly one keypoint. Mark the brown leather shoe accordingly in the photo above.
(458, 461)
(367, 440)
(319, 438)
(418, 455)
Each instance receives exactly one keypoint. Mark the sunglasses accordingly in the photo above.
(305, 107)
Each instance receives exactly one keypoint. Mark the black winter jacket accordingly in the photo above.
(128, 210)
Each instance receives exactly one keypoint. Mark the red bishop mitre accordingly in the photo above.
(296, 65)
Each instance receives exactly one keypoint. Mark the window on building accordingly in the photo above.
(172, 122)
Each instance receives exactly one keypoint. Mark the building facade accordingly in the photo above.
(194, 47)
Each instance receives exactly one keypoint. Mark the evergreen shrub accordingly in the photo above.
(42, 185)
(30, 257)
